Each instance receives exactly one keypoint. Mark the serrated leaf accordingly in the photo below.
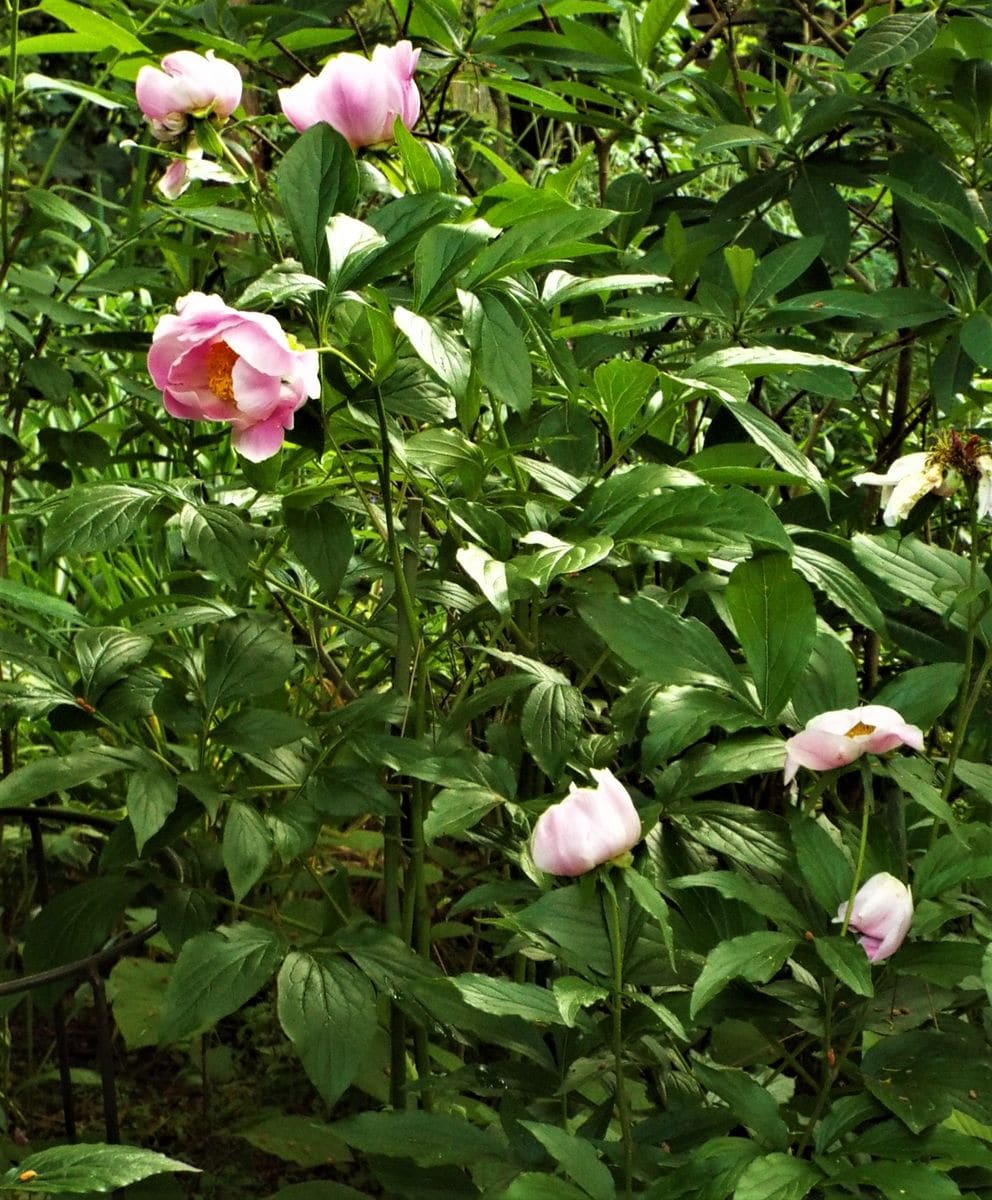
(90, 519)
(777, 1177)
(107, 655)
(320, 537)
(503, 998)
(846, 959)
(246, 659)
(550, 722)
(327, 1009)
(247, 848)
(440, 350)
(215, 974)
(90, 1167)
(151, 799)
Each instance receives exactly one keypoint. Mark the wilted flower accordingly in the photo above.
(181, 172)
(882, 913)
(834, 739)
(359, 97)
(188, 85)
(590, 826)
(214, 363)
(940, 470)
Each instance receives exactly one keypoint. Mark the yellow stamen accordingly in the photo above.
(220, 363)
(859, 730)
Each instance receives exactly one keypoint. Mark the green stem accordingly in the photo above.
(859, 866)
(612, 911)
(970, 690)
(14, 8)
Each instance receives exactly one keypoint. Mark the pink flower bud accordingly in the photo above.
(590, 826)
(882, 913)
(359, 97)
(834, 739)
(188, 85)
(214, 363)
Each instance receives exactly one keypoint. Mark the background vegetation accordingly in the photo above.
(602, 343)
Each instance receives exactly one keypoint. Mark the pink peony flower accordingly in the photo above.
(590, 826)
(882, 913)
(834, 739)
(188, 85)
(359, 97)
(214, 363)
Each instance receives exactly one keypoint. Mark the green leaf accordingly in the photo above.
(531, 1186)
(657, 18)
(899, 1180)
(90, 1167)
(446, 356)
(501, 354)
(783, 266)
(576, 1157)
(51, 773)
(318, 176)
(151, 799)
(322, 1189)
(245, 660)
(753, 1105)
(976, 338)
(30, 599)
(351, 247)
(502, 998)
(420, 168)
(822, 863)
(488, 574)
(775, 621)
(557, 557)
(90, 519)
(300, 1140)
(820, 211)
(777, 1177)
(441, 253)
(107, 655)
(727, 137)
(135, 989)
(755, 957)
(448, 452)
(247, 848)
(762, 898)
(920, 1076)
(104, 32)
(327, 1010)
(745, 835)
(218, 538)
(846, 959)
(430, 1139)
(320, 537)
(76, 922)
(215, 974)
(891, 41)
(840, 584)
(622, 388)
(921, 694)
(661, 644)
(653, 902)
(550, 722)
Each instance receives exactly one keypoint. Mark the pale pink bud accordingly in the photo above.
(882, 913)
(359, 97)
(590, 826)
(834, 739)
(214, 363)
(188, 85)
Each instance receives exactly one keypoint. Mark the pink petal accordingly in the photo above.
(820, 751)
(299, 102)
(256, 394)
(260, 440)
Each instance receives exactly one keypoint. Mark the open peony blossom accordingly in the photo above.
(188, 85)
(214, 363)
(908, 480)
(590, 826)
(359, 97)
(940, 470)
(834, 739)
(882, 913)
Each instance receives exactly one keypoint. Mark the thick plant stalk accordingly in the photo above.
(612, 909)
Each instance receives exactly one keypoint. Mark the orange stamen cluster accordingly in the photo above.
(859, 730)
(220, 364)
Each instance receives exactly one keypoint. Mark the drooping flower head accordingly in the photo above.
(590, 826)
(214, 363)
(834, 739)
(359, 97)
(882, 913)
(940, 470)
(188, 85)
